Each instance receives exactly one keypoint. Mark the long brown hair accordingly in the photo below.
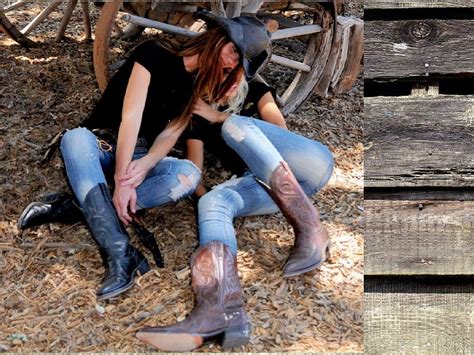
(210, 82)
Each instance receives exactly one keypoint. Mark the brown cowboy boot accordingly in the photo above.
(311, 238)
(219, 311)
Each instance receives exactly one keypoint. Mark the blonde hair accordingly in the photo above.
(235, 102)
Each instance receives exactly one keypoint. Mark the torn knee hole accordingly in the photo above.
(235, 132)
(187, 183)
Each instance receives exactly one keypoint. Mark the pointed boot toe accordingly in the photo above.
(55, 207)
(305, 257)
(299, 263)
(170, 341)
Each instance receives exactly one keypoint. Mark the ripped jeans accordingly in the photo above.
(89, 164)
(262, 146)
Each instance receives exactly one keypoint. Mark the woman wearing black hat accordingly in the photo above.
(284, 169)
(146, 106)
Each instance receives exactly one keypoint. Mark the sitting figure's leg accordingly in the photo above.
(290, 167)
(219, 311)
(169, 181)
(82, 158)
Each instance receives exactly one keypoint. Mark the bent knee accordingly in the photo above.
(313, 168)
(222, 200)
(77, 137)
(188, 176)
(234, 128)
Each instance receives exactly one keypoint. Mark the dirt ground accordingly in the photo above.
(49, 274)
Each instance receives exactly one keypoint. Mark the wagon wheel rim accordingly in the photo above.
(108, 28)
(306, 72)
(21, 32)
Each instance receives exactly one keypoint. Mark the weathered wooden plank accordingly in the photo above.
(415, 194)
(410, 4)
(419, 141)
(418, 48)
(419, 237)
(417, 318)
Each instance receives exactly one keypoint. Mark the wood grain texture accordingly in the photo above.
(416, 318)
(418, 47)
(412, 4)
(419, 238)
(419, 142)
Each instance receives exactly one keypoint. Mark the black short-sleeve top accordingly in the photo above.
(169, 91)
(210, 133)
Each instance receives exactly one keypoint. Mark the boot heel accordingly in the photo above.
(143, 268)
(236, 336)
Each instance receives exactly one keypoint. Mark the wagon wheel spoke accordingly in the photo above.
(86, 19)
(21, 18)
(15, 6)
(38, 19)
(66, 18)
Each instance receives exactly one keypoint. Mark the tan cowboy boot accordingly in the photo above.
(311, 238)
(219, 311)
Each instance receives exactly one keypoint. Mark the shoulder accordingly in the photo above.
(258, 89)
(151, 54)
(151, 46)
(257, 85)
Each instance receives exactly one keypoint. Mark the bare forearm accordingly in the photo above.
(269, 111)
(162, 145)
(195, 153)
(127, 138)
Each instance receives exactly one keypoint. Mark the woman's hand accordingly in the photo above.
(136, 172)
(204, 110)
(125, 197)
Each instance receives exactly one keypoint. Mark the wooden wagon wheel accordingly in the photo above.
(307, 70)
(31, 15)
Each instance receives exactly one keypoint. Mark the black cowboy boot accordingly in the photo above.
(311, 238)
(121, 259)
(55, 207)
(219, 311)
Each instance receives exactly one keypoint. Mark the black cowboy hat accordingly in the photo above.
(249, 35)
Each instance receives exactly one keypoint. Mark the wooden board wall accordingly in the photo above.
(418, 317)
(423, 237)
(418, 48)
(419, 179)
(419, 141)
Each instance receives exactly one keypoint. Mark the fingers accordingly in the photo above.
(134, 181)
(133, 202)
(121, 206)
(131, 167)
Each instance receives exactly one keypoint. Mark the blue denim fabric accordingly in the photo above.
(89, 164)
(262, 146)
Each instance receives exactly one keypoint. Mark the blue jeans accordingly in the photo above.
(262, 146)
(89, 163)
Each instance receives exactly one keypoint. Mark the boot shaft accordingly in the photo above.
(214, 277)
(293, 202)
(103, 222)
